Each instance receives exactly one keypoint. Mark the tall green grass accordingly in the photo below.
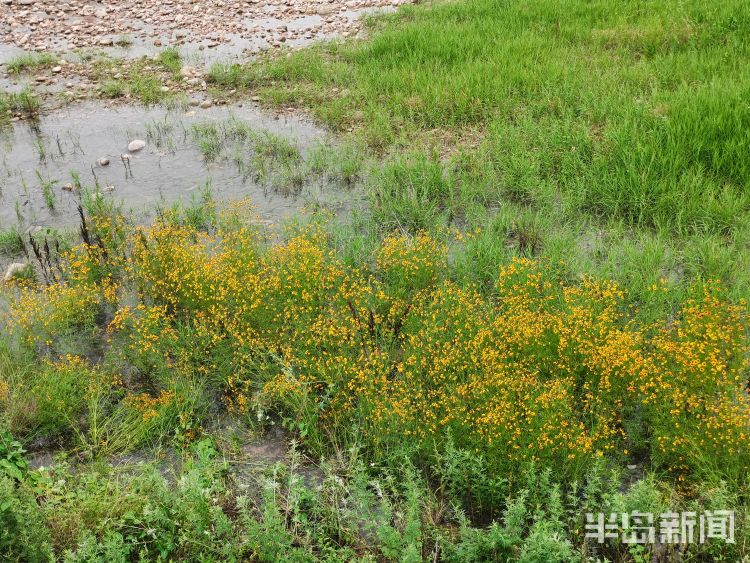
(608, 136)
(634, 110)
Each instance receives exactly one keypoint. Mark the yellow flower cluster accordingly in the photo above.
(38, 316)
(4, 391)
(149, 406)
(538, 370)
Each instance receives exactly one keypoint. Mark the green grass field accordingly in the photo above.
(540, 313)
(613, 132)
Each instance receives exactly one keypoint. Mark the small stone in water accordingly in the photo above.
(68, 187)
(205, 104)
(136, 145)
(103, 161)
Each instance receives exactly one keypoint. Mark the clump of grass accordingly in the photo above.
(48, 190)
(200, 213)
(161, 133)
(41, 149)
(11, 242)
(145, 88)
(231, 75)
(410, 192)
(208, 138)
(112, 88)
(342, 164)
(277, 147)
(30, 61)
(134, 80)
(277, 160)
(25, 103)
(170, 60)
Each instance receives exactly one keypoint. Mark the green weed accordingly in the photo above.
(30, 61)
(11, 242)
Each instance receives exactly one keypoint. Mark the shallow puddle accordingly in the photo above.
(39, 163)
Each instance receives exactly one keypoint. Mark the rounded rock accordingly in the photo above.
(136, 145)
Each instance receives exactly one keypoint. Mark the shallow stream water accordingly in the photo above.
(71, 142)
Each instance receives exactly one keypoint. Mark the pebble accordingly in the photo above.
(205, 104)
(103, 161)
(136, 145)
(206, 22)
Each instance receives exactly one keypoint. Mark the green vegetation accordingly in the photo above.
(30, 61)
(24, 103)
(270, 158)
(48, 188)
(540, 313)
(11, 242)
(112, 88)
(434, 408)
(140, 80)
(170, 60)
(123, 41)
(614, 132)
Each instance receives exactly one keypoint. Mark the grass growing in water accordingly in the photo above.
(24, 102)
(48, 190)
(269, 157)
(30, 61)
